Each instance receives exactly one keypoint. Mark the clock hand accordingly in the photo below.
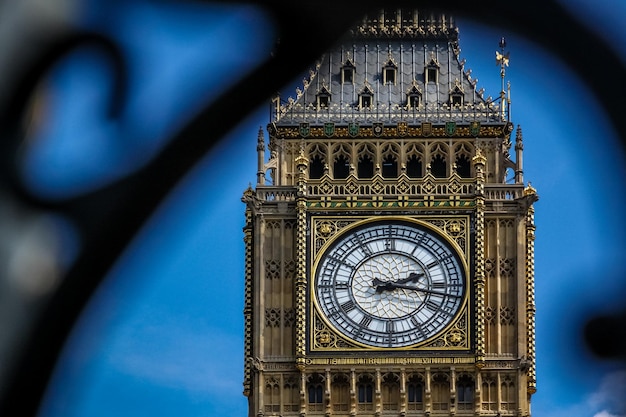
(413, 277)
(426, 290)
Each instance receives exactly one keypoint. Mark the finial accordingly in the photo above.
(502, 59)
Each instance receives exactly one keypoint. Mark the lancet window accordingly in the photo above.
(317, 161)
(341, 165)
(315, 392)
(390, 161)
(414, 164)
(366, 393)
(365, 166)
(415, 393)
(390, 391)
(440, 388)
(465, 392)
(463, 158)
(438, 164)
(340, 394)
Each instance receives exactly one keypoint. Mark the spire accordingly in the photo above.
(502, 59)
(260, 149)
(519, 159)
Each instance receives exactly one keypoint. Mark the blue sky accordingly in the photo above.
(164, 334)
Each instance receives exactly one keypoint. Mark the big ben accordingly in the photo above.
(389, 260)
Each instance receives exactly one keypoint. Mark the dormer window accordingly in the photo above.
(323, 98)
(390, 70)
(347, 72)
(456, 96)
(414, 97)
(366, 97)
(431, 72)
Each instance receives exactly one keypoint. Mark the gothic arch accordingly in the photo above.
(340, 392)
(317, 160)
(439, 160)
(341, 157)
(390, 154)
(463, 153)
(465, 387)
(414, 161)
(390, 390)
(365, 162)
(440, 391)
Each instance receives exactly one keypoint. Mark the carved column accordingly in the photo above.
(531, 194)
(301, 281)
(479, 265)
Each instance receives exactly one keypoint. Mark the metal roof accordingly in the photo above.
(389, 57)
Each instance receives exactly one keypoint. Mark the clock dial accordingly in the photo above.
(390, 284)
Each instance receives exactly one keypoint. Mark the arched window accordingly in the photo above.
(366, 393)
(465, 392)
(415, 393)
(341, 166)
(316, 167)
(365, 165)
(315, 392)
(390, 162)
(440, 389)
(272, 395)
(438, 166)
(340, 395)
(489, 394)
(463, 166)
(390, 391)
(507, 389)
(390, 167)
(414, 166)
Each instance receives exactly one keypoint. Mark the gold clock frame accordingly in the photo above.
(323, 337)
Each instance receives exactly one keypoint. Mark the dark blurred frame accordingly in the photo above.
(127, 203)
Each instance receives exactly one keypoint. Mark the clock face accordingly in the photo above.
(390, 284)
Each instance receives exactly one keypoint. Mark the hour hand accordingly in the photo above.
(383, 285)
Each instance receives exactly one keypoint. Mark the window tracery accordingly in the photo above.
(438, 161)
(465, 392)
(365, 166)
(415, 393)
(365, 395)
(340, 392)
(390, 156)
(440, 388)
(341, 165)
(390, 388)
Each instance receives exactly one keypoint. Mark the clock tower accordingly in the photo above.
(389, 257)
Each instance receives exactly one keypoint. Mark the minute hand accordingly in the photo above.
(411, 287)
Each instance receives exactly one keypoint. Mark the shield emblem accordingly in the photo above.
(353, 129)
(427, 128)
(329, 129)
(403, 128)
(474, 128)
(305, 130)
(450, 128)
(377, 129)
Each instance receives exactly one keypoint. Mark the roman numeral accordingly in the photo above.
(348, 306)
(365, 321)
(390, 327)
